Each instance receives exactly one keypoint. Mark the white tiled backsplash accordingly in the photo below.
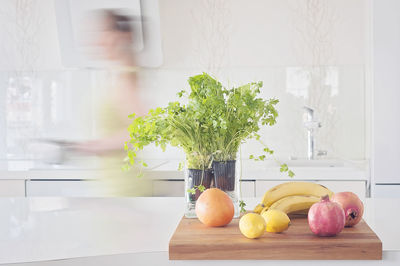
(61, 105)
(237, 41)
(340, 107)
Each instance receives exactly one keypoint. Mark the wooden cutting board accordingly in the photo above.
(194, 241)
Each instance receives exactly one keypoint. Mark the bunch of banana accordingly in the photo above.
(295, 204)
(292, 197)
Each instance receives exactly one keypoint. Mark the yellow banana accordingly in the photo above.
(258, 208)
(302, 212)
(293, 204)
(264, 209)
(292, 189)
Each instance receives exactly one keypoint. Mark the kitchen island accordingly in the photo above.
(133, 231)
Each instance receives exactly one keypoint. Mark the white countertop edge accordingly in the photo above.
(389, 258)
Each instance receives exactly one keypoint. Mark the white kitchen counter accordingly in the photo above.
(168, 170)
(133, 231)
(32, 178)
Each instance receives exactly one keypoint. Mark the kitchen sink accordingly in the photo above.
(315, 163)
(307, 163)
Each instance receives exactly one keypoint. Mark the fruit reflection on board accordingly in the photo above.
(328, 213)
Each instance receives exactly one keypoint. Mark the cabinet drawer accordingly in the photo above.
(176, 188)
(63, 188)
(387, 191)
(168, 188)
(248, 188)
(262, 186)
(357, 187)
(12, 188)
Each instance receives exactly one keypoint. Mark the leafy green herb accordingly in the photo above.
(283, 167)
(126, 167)
(267, 150)
(192, 190)
(180, 166)
(242, 204)
(181, 93)
(291, 173)
(212, 124)
(140, 174)
(201, 188)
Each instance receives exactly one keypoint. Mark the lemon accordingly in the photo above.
(277, 221)
(252, 225)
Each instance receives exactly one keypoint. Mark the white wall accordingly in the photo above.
(386, 70)
(263, 40)
(28, 35)
(241, 41)
(29, 47)
(258, 33)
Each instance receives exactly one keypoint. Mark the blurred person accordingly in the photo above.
(113, 37)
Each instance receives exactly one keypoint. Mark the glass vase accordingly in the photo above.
(194, 178)
(226, 178)
(222, 175)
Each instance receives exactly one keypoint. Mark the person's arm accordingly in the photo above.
(114, 142)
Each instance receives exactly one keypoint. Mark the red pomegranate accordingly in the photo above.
(326, 218)
(352, 206)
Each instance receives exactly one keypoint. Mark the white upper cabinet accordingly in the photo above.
(386, 92)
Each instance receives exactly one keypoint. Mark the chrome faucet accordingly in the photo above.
(312, 125)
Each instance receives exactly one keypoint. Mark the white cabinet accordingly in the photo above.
(85, 188)
(358, 187)
(168, 188)
(160, 188)
(248, 188)
(62, 188)
(387, 191)
(386, 93)
(12, 188)
(262, 186)
(176, 188)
